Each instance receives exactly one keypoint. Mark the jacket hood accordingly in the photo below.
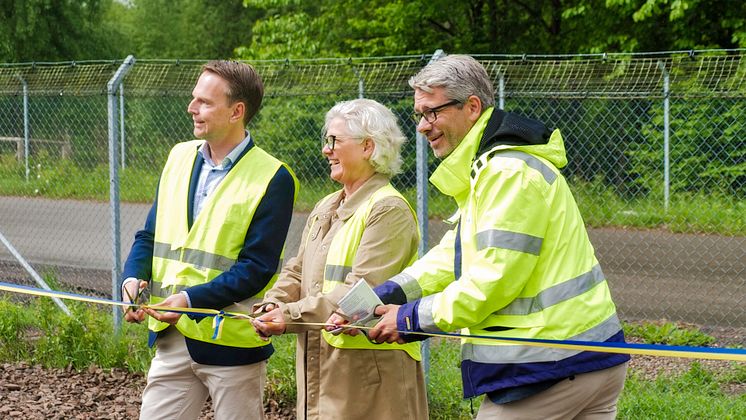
(496, 129)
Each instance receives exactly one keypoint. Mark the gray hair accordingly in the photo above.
(368, 119)
(459, 75)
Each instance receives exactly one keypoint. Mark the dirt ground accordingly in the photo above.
(31, 392)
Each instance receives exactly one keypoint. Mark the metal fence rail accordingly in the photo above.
(656, 144)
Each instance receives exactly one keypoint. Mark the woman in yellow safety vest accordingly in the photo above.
(366, 230)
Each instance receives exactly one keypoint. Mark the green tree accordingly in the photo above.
(57, 30)
(189, 29)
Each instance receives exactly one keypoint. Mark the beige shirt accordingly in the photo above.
(346, 383)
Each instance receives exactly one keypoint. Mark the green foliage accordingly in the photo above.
(43, 30)
(444, 390)
(39, 332)
(281, 371)
(668, 333)
(202, 29)
(695, 394)
(707, 148)
(602, 206)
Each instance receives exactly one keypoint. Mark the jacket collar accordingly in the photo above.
(451, 177)
(359, 197)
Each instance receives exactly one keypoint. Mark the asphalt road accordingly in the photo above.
(653, 274)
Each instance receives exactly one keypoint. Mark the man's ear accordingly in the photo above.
(474, 107)
(239, 110)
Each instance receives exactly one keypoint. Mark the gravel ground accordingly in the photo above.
(31, 392)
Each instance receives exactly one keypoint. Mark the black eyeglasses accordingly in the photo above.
(329, 141)
(430, 115)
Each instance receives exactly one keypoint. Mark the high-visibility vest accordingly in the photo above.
(339, 261)
(184, 257)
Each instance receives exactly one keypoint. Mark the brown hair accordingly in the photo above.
(244, 84)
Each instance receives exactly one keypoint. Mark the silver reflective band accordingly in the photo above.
(558, 293)
(532, 162)
(336, 272)
(504, 239)
(195, 257)
(163, 250)
(425, 314)
(157, 289)
(409, 286)
(207, 260)
(498, 353)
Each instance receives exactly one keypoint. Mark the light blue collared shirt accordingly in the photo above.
(212, 175)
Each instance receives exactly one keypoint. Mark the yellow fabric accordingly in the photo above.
(342, 252)
(186, 257)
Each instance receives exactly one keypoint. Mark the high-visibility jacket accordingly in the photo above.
(184, 257)
(524, 264)
(339, 261)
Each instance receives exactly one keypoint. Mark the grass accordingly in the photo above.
(600, 205)
(38, 332)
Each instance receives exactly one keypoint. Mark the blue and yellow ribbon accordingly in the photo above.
(712, 353)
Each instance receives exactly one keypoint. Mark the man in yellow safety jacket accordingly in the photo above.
(517, 264)
(213, 238)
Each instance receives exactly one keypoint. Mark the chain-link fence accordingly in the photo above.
(656, 145)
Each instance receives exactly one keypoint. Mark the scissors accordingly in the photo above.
(139, 299)
(369, 320)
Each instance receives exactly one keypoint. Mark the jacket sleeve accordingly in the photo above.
(511, 217)
(259, 258)
(139, 263)
(288, 286)
(430, 274)
(380, 255)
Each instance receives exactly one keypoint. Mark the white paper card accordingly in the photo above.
(360, 302)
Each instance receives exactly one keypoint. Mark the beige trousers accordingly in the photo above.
(178, 387)
(589, 396)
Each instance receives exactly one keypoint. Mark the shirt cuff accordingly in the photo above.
(126, 282)
(186, 295)
(406, 320)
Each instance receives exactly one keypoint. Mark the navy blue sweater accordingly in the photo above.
(256, 263)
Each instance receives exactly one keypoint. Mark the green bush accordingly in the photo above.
(668, 333)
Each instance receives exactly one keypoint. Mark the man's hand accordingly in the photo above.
(269, 324)
(177, 300)
(131, 290)
(386, 330)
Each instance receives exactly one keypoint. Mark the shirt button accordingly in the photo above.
(323, 247)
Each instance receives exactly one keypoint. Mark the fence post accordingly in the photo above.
(25, 123)
(116, 269)
(666, 133)
(501, 90)
(422, 182)
(121, 124)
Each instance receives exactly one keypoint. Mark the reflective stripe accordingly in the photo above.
(163, 250)
(482, 353)
(531, 161)
(509, 240)
(206, 259)
(425, 315)
(157, 289)
(195, 257)
(412, 290)
(555, 294)
(336, 272)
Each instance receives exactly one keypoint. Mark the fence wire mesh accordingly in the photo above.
(656, 148)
